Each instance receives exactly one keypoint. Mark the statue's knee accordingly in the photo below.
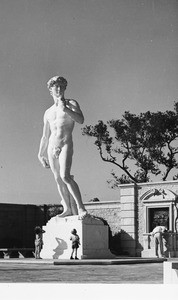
(57, 178)
(66, 179)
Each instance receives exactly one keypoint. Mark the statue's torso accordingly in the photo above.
(61, 126)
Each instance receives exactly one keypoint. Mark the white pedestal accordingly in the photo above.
(94, 238)
(170, 272)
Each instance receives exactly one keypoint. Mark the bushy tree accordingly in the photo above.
(148, 140)
(54, 210)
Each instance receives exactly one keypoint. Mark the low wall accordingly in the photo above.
(170, 272)
(111, 213)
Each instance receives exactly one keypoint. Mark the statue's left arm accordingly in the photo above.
(74, 111)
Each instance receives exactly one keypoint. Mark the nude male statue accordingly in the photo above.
(56, 146)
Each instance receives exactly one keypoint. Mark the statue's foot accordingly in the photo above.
(56, 152)
(82, 213)
(65, 213)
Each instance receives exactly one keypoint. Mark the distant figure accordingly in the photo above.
(75, 243)
(38, 241)
(56, 146)
(157, 233)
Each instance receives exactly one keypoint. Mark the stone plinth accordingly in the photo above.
(170, 272)
(93, 233)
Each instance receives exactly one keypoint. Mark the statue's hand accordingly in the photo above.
(62, 104)
(44, 161)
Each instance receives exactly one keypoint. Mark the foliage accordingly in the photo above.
(148, 140)
(54, 210)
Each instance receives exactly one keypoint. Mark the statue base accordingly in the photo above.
(93, 233)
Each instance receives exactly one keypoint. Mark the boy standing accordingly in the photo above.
(75, 243)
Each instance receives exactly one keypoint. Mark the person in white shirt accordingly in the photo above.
(157, 233)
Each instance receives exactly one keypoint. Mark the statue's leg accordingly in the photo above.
(62, 188)
(65, 161)
(73, 203)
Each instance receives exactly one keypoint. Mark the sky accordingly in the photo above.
(117, 55)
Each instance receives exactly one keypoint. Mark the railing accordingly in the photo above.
(170, 243)
(16, 252)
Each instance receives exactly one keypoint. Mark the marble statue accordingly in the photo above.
(56, 146)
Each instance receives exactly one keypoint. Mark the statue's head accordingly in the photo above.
(57, 80)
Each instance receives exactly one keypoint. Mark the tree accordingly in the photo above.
(54, 210)
(148, 140)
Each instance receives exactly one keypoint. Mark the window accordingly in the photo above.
(158, 216)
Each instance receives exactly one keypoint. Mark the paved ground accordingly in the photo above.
(42, 280)
(15, 272)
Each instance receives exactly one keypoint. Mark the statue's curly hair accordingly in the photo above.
(56, 80)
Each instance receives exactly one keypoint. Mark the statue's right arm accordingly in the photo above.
(44, 143)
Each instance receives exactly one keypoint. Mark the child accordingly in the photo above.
(75, 243)
(38, 241)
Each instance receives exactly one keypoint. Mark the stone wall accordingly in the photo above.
(129, 219)
(111, 213)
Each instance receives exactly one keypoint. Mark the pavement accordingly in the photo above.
(119, 270)
(116, 261)
(119, 278)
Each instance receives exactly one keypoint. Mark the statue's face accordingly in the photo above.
(57, 90)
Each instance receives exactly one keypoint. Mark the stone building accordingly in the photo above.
(140, 208)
